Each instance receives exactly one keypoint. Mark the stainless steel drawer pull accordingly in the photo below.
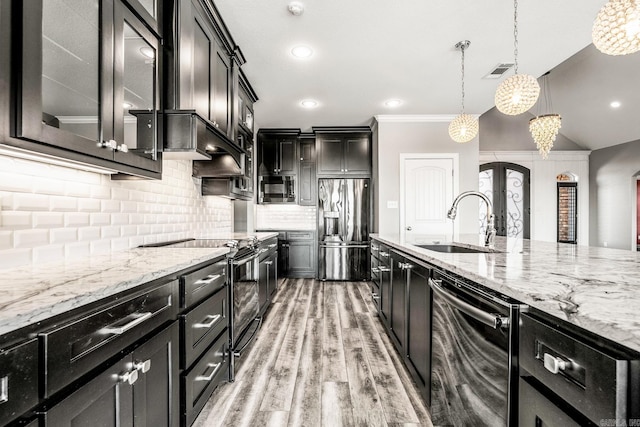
(268, 262)
(555, 364)
(4, 389)
(209, 377)
(209, 279)
(140, 317)
(375, 296)
(129, 377)
(375, 270)
(384, 254)
(384, 269)
(273, 245)
(214, 319)
(143, 366)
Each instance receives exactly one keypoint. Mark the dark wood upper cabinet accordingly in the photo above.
(307, 171)
(81, 76)
(277, 154)
(343, 151)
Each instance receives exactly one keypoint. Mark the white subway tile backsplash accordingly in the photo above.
(48, 219)
(6, 240)
(48, 253)
(89, 205)
(30, 238)
(89, 233)
(63, 203)
(15, 219)
(15, 257)
(64, 235)
(76, 219)
(77, 250)
(51, 213)
(30, 202)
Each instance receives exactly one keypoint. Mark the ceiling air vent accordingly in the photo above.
(499, 70)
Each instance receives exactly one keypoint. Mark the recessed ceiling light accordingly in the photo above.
(393, 103)
(148, 52)
(127, 105)
(615, 104)
(309, 103)
(302, 51)
(296, 8)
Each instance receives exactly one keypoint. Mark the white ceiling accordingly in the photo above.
(368, 51)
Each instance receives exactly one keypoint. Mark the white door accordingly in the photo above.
(427, 194)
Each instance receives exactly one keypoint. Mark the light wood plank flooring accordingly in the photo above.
(322, 358)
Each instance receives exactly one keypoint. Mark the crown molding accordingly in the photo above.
(417, 118)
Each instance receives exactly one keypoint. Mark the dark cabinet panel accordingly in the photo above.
(385, 283)
(269, 156)
(288, 162)
(397, 324)
(263, 283)
(18, 379)
(221, 91)
(301, 258)
(272, 274)
(307, 174)
(277, 155)
(330, 156)
(344, 154)
(418, 346)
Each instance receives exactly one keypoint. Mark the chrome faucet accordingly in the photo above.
(490, 233)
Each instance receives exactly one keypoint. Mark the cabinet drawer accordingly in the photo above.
(199, 382)
(384, 256)
(202, 325)
(75, 348)
(201, 283)
(18, 379)
(594, 383)
(375, 270)
(536, 410)
(300, 235)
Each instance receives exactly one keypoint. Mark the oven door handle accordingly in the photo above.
(238, 353)
(490, 319)
(243, 261)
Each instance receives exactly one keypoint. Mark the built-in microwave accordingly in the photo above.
(277, 189)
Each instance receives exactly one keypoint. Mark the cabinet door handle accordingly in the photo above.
(209, 279)
(384, 269)
(210, 323)
(375, 270)
(140, 317)
(4, 389)
(375, 296)
(209, 377)
(384, 254)
(273, 245)
(129, 377)
(144, 367)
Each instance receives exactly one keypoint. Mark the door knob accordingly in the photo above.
(409, 228)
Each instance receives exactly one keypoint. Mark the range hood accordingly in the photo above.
(189, 136)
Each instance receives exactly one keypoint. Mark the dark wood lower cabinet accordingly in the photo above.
(418, 345)
(140, 390)
(398, 300)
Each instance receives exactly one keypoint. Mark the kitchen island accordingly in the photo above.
(597, 289)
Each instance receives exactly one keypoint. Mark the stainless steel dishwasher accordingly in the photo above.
(474, 354)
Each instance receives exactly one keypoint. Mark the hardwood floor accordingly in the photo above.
(322, 358)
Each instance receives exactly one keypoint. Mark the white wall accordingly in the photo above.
(53, 213)
(418, 134)
(544, 188)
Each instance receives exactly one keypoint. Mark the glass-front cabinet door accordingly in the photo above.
(86, 64)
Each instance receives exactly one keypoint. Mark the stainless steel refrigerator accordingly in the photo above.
(343, 228)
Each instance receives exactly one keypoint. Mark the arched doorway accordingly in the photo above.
(507, 186)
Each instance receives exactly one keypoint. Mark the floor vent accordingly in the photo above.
(499, 70)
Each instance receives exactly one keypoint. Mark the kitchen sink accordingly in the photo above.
(455, 249)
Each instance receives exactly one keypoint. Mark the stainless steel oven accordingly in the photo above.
(245, 300)
(473, 368)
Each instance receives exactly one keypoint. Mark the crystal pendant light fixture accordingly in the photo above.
(544, 127)
(464, 127)
(519, 92)
(616, 30)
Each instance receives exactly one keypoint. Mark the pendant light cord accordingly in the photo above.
(462, 49)
(515, 35)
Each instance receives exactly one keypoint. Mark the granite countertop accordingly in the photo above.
(35, 293)
(597, 289)
(32, 294)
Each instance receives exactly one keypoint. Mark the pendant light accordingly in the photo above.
(464, 127)
(519, 92)
(545, 126)
(616, 30)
